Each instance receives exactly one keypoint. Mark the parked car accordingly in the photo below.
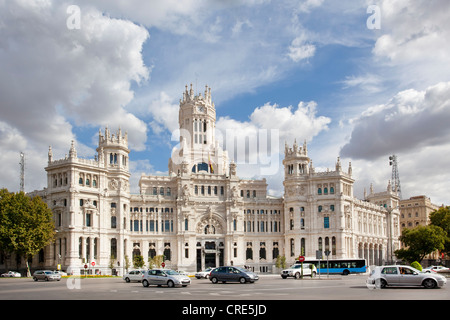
(167, 277)
(436, 269)
(398, 275)
(183, 273)
(46, 275)
(228, 274)
(296, 271)
(11, 274)
(61, 273)
(133, 275)
(203, 274)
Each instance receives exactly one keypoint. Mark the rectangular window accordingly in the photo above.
(88, 220)
(166, 225)
(326, 222)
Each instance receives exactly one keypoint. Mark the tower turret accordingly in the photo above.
(113, 149)
(296, 160)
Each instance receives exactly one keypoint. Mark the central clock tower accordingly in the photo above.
(198, 151)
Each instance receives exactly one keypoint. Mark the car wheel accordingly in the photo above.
(383, 283)
(170, 284)
(345, 272)
(214, 280)
(145, 283)
(297, 275)
(242, 280)
(46, 278)
(35, 279)
(127, 279)
(429, 283)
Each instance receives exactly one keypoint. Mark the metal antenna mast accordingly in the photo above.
(395, 175)
(22, 172)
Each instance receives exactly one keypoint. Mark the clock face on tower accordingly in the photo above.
(201, 109)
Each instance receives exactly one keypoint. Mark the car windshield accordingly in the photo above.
(241, 269)
(171, 272)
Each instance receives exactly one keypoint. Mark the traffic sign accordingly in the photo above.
(85, 266)
(93, 263)
(301, 258)
(163, 264)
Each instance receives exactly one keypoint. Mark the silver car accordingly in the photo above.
(167, 277)
(46, 275)
(394, 275)
(203, 274)
(133, 275)
(11, 274)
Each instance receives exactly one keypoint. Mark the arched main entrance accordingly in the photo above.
(210, 243)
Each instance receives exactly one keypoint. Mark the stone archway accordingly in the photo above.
(210, 224)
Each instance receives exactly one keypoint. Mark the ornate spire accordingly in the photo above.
(72, 151)
(50, 154)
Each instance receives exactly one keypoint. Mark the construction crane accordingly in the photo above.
(395, 175)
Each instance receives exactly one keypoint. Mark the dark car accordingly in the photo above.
(230, 274)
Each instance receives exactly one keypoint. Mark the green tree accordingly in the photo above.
(138, 261)
(127, 263)
(26, 224)
(281, 262)
(441, 218)
(420, 241)
(155, 262)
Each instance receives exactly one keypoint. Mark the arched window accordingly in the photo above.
(249, 252)
(202, 166)
(113, 248)
(319, 191)
(262, 250)
(303, 247)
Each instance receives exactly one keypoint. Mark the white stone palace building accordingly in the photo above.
(202, 214)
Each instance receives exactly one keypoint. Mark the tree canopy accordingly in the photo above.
(26, 224)
(420, 241)
(441, 218)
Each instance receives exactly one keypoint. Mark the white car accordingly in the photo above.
(133, 275)
(61, 273)
(11, 274)
(436, 269)
(296, 271)
(203, 274)
(396, 275)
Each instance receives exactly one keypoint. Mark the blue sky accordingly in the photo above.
(313, 65)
